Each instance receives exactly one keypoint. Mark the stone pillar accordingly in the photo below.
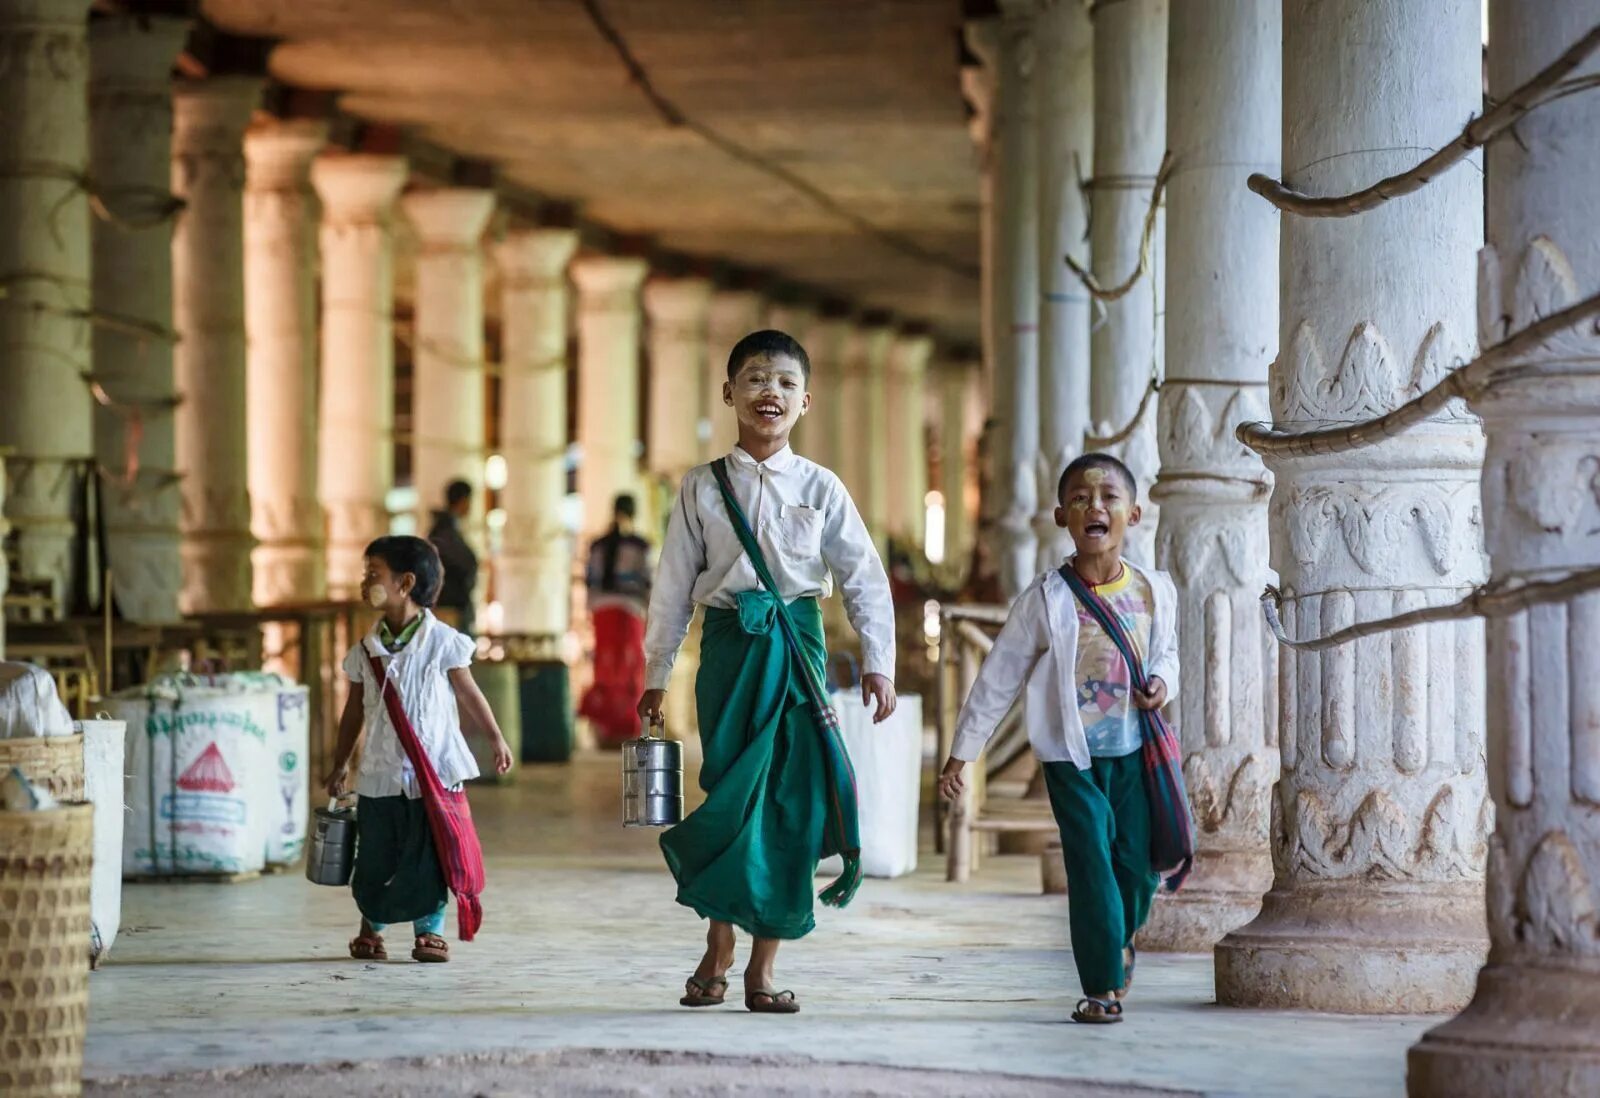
(449, 421)
(533, 573)
(1531, 1026)
(1379, 822)
(827, 346)
(130, 114)
(45, 418)
(678, 311)
(1065, 91)
(862, 433)
(1224, 118)
(798, 321)
(1130, 133)
(1014, 139)
(608, 383)
(734, 315)
(280, 301)
(958, 384)
(209, 118)
(906, 471)
(356, 432)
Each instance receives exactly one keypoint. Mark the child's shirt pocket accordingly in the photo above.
(800, 529)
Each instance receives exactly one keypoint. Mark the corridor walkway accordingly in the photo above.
(584, 949)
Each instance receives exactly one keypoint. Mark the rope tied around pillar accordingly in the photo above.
(1495, 599)
(1117, 438)
(1146, 236)
(1496, 366)
(1545, 87)
(166, 206)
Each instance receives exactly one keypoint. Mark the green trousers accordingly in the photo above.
(1104, 819)
(748, 855)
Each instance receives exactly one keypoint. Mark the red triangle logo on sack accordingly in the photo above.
(207, 774)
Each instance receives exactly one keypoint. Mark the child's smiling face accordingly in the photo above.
(768, 395)
(1097, 507)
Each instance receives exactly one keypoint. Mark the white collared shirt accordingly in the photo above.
(420, 671)
(1038, 647)
(808, 529)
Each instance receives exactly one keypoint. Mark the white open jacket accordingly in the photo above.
(1039, 648)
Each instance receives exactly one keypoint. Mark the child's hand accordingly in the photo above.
(1153, 697)
(337, 782)
(952, 782)
(878, 688)
(502, 755)
(650, 706)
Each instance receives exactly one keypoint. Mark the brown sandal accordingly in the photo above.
(777, 1002)
(431, 948)
(368, 946)
(712, 991)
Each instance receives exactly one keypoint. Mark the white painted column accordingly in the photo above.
(1130, 133)
(734, 315)
(907, 420)
(130, 114)
(1016, 291)
(608, 383)
(356, 431)
(280, 300)
(209, 118)
(827, 345)
(449, 424)
(1224, 119)
(798, 321)
(1379, 832)
(862, 434)
(677, 310)
(1065, 90)
(1531, 1026)
(958, 383)
(533, 573)
(45, 418)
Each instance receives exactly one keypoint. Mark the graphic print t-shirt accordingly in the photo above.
(1110, 721)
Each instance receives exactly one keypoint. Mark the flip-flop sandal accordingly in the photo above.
(368, 947)
(777, 1002)
(431, 948)
(1109, 1011)
(712, 991)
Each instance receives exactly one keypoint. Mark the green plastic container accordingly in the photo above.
(548, 729)
(498, 681)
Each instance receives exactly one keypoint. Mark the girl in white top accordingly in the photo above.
(397, 874)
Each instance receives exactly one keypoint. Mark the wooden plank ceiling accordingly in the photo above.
(859, 99)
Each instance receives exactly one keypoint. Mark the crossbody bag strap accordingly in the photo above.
(1108, 621)
(404, 729)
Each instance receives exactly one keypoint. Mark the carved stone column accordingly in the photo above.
(678, 310)
(1010, 56)
(448, 417)
(863, 437)
(958, 382)
(1066, 148)
(1130, 133)
(209, 118)
(1531, 1026)
(1224, 118)
(533, 573)
(45, 416)
(356, 432)
(130, 114)
(1379, 821)
(978, 87)
(734, 315)
(798, 321)
(907, 468)
(280, 300)
(824, 431)
(608, 383)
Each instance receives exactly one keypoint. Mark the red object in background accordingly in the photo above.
(611, 704)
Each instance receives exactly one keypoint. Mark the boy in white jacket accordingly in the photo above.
(1081, 712)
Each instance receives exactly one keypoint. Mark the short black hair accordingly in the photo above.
(456, 491)
(404, 553)
(768, 341)
(1096, 461)
(625, 506)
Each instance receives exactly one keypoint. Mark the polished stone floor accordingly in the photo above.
(584, 949)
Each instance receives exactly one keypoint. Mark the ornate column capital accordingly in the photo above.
(278, 154)
(131, 56)
(910, 354)
(531, 257)
(209, 116)
(357, 188)
(451, 219)
(735, 309)
(679, 304)
(609, 283)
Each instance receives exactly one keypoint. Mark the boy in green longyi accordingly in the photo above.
(756, 540)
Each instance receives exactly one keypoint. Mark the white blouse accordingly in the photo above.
(420, 672)
(808, 529)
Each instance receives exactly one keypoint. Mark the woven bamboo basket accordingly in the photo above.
(53, 762)
(45, 862)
